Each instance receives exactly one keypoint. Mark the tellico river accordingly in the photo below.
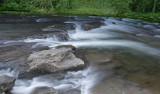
(122, 55)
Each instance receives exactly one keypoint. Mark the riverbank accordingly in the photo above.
(151, 17)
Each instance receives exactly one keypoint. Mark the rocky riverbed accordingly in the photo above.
(78, 55)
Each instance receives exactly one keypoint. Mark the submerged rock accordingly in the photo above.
(57, 36)
(44, 90)
(71, 91)
(63, 27)
(117, 85)
(6, 83)
(51, 61)
(94, 57)
(91, 25)
(102, 61)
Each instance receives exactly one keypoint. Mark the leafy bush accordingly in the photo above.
(110, 6)
(14, 5)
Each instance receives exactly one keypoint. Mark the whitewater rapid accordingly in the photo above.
(108, 36)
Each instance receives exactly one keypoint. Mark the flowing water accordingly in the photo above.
(122, 55)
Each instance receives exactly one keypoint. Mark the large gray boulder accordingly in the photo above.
(44, 90)
(6, 83)
(51, 61)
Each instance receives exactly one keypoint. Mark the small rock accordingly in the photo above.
(113, 23)
(44, 90)
(66, 46)
(94, 57)
(6, 83)
(91, 25)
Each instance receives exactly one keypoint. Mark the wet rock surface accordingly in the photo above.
(102, 61)
(56, 36)
(118, 86)
(61, 27)
(67, 46)
(44, 90)
(14, 55)
(91, 25)
(50, 61)
(6, 83)
(71, 91)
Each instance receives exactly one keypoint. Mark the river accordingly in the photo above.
(122, 55)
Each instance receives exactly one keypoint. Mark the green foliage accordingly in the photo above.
(14, 5)
(43, 4)
(106, 6)
(1, 1)
(63, 5)
(145, 5)
(119, 6)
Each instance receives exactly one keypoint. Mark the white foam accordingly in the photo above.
(149, 27)
(43, 20)
(91, 35)
(9, 42)
(84, 80)
(31, 40)
(157, 30)
(27, 86)
(157, 36)
(78, 25)
(95, 38)
(9, 72)
(116, 43)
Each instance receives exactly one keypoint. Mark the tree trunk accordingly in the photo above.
(154, 6)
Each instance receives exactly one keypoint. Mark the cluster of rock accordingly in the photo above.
(53, 61)
(56, 36)
(48, 60)
(70, 26)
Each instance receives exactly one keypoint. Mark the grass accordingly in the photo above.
(152, 17)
